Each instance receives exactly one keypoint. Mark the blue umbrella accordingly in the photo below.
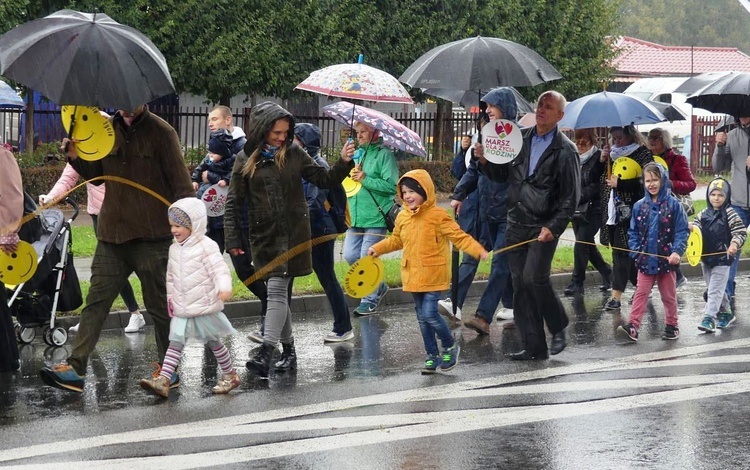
(8, 96)
(609, 109)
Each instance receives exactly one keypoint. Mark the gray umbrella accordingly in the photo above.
(479, 64)
(85, 59)
(729, 94)
(472, 97)
(669, 110)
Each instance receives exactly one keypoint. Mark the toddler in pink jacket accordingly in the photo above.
(198, 284)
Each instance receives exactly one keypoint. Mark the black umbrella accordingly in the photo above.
(669, 110)
(726, 124)
(729, 94)
(479, 64)
(471, 97)
(693, 84)
(85, 59)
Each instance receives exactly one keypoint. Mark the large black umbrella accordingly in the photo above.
(472, 97)
(729, 94)
(85, 59)
(479, 64)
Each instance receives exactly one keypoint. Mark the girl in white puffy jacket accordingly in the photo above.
(198, 284)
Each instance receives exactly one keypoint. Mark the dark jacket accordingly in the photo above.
(278, 214)
(147, 153)
(627, 191)
(321, 222)
(217, 171)
(550, 195)
(658, 227)
(491, 195)
(720, 227)
(467, 217)
(591, 174)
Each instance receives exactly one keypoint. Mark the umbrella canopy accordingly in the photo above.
(726, 124)
(9, 97)
(85, 59)
(479, 64)
(729, 94)
(394, 134)
(472, 97)
(693, 84)
(606, 109)
(669, 110)
(356, 81)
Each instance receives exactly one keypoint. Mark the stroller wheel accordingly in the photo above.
(26, 335)
(47, 335)
(57, 337)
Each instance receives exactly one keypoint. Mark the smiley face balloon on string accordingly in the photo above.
(363, 277)
(19, 266)
(93, 133)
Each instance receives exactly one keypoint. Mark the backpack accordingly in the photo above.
(338, 208)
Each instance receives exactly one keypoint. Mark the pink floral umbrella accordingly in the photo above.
(356, 81)
(394, 134)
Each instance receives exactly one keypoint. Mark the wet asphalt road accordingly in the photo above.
(600, 404)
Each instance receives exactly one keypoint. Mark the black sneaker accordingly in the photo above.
(628, 330)
(573, 289)
(612, 304)
(670, 332)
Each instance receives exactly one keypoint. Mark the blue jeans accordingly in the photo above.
(322, 262)
(499, 286)
(357, 242)
(431, 323)
(745, 216)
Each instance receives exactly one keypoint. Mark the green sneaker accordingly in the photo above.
(450, 358)
(707, 324)
(725, 319)
(431, 365)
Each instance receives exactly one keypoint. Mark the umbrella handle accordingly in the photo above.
(72, 127)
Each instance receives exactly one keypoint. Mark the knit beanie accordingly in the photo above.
(414, 185)
(220, 143)
(719, 184)
(179, 217)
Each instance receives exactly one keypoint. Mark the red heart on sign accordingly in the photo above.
(508, 128)
(498, 128)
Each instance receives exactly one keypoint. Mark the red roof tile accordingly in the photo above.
(643, 58)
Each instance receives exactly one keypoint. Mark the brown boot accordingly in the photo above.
(478, 324)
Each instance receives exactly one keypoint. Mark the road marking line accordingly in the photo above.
(415, 395)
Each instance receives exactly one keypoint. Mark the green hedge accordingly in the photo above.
(39, 177)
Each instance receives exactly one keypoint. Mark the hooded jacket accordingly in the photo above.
(424, 234)
(277, 208)
(321, 222)
(196, 271)
(549, 196)
(658, 227)
(720, 227)
(492, 196)
(733, 156)
(147, 153)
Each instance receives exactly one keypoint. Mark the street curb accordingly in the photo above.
(318, 303)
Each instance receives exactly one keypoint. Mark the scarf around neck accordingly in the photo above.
(618, 152)
(585, 156)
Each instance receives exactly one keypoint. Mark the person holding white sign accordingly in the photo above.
(544, 189)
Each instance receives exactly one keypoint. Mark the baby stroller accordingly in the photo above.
(54, 286)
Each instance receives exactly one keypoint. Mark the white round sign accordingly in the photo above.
(215, 199)
(470, 151)
(501, 141)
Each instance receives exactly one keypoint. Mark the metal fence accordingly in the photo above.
(191, 124)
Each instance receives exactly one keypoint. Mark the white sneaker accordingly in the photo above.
(445, 307)
(136, 323)
(74, 328)
(504, 313)
(334, 337)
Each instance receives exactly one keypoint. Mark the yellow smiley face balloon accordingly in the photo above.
(661, 161)
(93, 133)
(19, 266)
(626, 168)
(351, 187)
(363, 277)
(694, 247)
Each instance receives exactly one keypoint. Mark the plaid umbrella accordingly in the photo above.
(356, 81)
(394, 134)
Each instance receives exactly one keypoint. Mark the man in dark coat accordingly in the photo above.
(544, 189)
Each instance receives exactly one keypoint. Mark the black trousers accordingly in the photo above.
(534, 299)
(8, 347)
(583, 253)
(623, 266)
